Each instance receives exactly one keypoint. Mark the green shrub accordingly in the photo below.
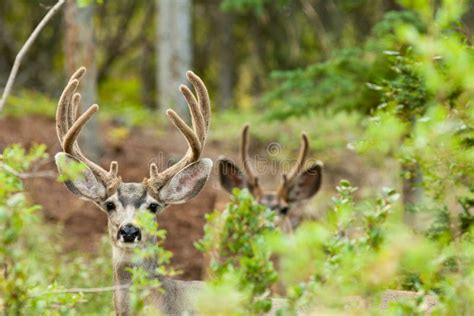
(18, 245)
(30, 102)
(144, 282)
(240, 258)
(34, 271)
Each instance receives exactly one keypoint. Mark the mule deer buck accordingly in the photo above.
(122, 201)
(296, 187)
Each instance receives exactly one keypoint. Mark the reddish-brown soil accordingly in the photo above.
(84, 223)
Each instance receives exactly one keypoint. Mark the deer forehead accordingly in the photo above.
(132, 194)
(270, 198)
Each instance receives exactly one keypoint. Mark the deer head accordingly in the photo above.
(296, 187)
(122, 201)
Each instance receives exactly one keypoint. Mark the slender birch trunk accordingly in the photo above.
(79, 48)
(174, 51)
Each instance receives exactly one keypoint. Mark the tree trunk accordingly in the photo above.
(411, 192)
(225, 23)
(79, 48)
(411, 183)
(147, 75)
(174, 52)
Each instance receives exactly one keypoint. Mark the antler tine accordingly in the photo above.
(63, 117)
(197, 117)
(63, 109)
(195, 135)
(157, 179)
(188, 133)
(72, 134)
(79, 74)
(68, 129)
(301, 158)
(244, 155)
(288, 178)
(203, 96)
(74, 108)
(113, 170)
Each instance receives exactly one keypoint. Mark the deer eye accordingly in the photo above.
(153, 207)
(110, 206)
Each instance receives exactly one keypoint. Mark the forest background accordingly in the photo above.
(382, 88)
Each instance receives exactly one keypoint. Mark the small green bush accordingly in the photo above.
(35, 274)
(239, 254)
(30, 102)
(144, 282)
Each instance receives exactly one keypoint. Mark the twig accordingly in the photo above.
(25, 48)
(41, 163)
(94, 289)
(36, 174)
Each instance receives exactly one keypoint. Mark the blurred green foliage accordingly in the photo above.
(145, 281)
(122, 103)
(339, 83)
(70, 169)
(328, 133)
(34, 269)
(28, 102)
(426, 105)
(258, 6)
(235, 241)
(85, 3)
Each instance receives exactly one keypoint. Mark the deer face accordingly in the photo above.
(124, 201)
(129, 199)
(122, 209)
(286, 200)
(299, 185)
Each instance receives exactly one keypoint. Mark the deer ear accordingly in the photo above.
(306, 184)
(187, 183)
(230, 175)
(86, 185)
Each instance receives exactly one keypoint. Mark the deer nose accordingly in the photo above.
(284, 210)
(129, 233)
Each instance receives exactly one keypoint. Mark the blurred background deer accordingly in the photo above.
(296, 187)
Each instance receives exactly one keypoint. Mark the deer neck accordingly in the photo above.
(122, 263)
(122, 278)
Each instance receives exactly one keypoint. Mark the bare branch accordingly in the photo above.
(94, 289)
(26, 175)
(24, 49)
